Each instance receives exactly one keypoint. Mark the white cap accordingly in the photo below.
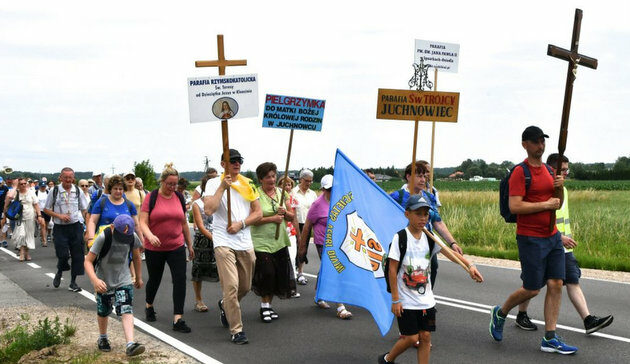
(327, 181)
(129, 173)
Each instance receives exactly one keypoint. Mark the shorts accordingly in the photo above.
(122, 300)
(541, 259)
(572, 269)
(46, 218)
(411, 322)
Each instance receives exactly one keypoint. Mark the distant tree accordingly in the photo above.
(622, 164)
(145, 171)
(251, 175)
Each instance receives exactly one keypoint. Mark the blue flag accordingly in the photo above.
(362, 221)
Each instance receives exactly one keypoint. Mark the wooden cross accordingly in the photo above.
(574, 59)
(222, 63)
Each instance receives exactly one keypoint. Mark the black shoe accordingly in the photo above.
(222, 317)
(265, 315)
(594, 323)
(381, 359)
(103, 344)
(522, 321)
(181, 326)
(149, 314)
(57, 280)
(239, 338)
(74, 287)
(134, 349)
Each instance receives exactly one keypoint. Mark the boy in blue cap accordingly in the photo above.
(112, 280)
(413, 302)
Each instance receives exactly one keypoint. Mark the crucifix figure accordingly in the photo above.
(574, 59)
(222, 63)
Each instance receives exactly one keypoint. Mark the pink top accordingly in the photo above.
(318, 216)
(165, 222)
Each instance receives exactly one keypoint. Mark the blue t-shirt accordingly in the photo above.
(434, 215)
(109, 211)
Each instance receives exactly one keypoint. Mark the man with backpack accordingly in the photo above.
(66, 204)
(539, 243)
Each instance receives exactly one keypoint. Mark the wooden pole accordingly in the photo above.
(284, 180)
(446, 250)
(226, 160)
(432, 138)
(412, 182)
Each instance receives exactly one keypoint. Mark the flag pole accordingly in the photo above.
(284, 180)
(448, 252)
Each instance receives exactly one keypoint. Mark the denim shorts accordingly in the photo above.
(573, 272)
(541, 259)
(121, 299)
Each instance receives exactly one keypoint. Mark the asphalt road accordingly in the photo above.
(307, 334)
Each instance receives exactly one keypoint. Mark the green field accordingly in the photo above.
(572, 185)
(599, 220)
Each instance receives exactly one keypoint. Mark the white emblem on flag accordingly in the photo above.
(362, 246)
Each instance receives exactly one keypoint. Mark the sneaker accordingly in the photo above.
(239, 338)
(222, 317)
(496, 323)
(381, 359)
(523, 321)
(57, 280)
(149, 314)
(556, 345)
(594, 323)
(295, 294)
(5, 244)
(103, 344)
(134, 349)
(74, 287)
(301, 280)
(180, 326)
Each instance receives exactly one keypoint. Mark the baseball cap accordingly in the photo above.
(120, 223)
(415, 202)
(327, 182)
(234, 156)
(533, 133)
(129, 173)
(96, 174)
(42, 184)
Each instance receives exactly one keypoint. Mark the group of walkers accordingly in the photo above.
(260, 243)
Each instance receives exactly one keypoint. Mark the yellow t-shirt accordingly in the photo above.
(136, 197)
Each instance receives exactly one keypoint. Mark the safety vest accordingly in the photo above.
(563, 222)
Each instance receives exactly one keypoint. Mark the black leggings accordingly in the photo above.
(176, 260)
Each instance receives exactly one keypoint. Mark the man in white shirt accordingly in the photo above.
(233, 247)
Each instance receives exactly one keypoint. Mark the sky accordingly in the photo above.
(97, 86)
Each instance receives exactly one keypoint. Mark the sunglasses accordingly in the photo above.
(84, 186)
(130, 177)
(236, 160)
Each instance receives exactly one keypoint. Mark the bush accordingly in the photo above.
(19, 341)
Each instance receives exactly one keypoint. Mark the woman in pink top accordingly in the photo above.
(166, 236)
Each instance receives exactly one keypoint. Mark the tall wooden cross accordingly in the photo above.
(222, 63)
(575, 59)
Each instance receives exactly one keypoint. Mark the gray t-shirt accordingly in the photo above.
(114, 268)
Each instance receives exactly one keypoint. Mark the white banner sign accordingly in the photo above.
(222, 97)
(443, 56)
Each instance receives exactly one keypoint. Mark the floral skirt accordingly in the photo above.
(204, 266)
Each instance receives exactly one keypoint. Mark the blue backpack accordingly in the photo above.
(14, 211)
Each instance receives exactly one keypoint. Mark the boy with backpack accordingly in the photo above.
(106, 266)
(408, 270)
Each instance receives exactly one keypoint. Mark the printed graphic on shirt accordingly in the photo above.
(362, 246)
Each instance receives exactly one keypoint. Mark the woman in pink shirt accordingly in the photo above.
(166, 236)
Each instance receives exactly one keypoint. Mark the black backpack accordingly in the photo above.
(55, 192)
(107, 246)
(402, 247)
(504, 190)
(153, 200)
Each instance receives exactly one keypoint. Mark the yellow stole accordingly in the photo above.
(245, 187)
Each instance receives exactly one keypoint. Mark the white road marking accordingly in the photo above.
(33, 265)
(483, 308)
(10, 253)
